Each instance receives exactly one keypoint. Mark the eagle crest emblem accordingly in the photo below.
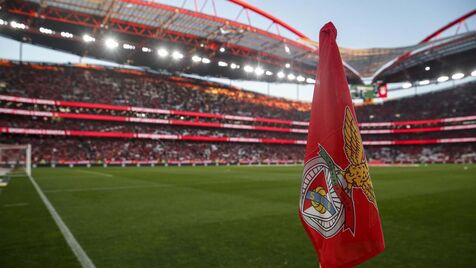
(326, 202)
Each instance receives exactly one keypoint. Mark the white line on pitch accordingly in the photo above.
(81, 255)
(95, 173)
(15, 205)
(106, 188)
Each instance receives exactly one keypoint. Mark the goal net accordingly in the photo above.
(15, 160)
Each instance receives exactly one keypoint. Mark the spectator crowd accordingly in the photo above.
(142, 89)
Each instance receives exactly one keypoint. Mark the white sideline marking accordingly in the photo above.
(81, 255)
(105, 188)
(96, 173)
(15, 205)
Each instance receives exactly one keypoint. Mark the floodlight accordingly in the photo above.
(196, 58)
(176, 55)
(424, 82)
(111, 43)
(286, 48)
(291, 77)
(259, 71)
(46, 30)
(300, 78)
(407, 85)
(222, 64)
(206, 60)
(162, 52)
(280, 74)
(87, 38)
(310, 81)
(248, 69)
(128, 46)
(66, 35)
(457, 76)
(17, 25)
(442, 78)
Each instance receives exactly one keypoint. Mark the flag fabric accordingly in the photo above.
(337, 201)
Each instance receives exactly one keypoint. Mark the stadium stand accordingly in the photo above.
(173, 119)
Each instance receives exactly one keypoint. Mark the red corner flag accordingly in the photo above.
(337, 203)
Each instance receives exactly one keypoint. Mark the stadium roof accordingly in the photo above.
(160, 36)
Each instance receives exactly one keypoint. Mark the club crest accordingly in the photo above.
(326, 202)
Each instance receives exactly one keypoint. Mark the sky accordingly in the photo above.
(369, 23)
(360, 24)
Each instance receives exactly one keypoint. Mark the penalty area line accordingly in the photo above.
(78, 251)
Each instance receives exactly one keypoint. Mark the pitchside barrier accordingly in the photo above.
(154, 163)
(197, 163)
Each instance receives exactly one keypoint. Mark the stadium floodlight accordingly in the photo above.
(427, 68)
(280, 74)
(259, 71)
(17, 25)
(268, 73)
(300, 78)
(407, 85)
(457, 76)
(128, 46)
(286, 48)
(177, 55)
(473, 73)
(66, 35)
(162, 52)
(248, 69)
(88, 39)
(310, 81)
(222, 49)
(287, 65)
(2, 22)
(222, 64)
(46, 30)
(206, 60)
(146, 49)
(233, 65)
(424, 82)
(196, 58)
(442, 78)
(111, 43)
(291, 77)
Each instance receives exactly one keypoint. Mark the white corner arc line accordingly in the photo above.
(78, 251)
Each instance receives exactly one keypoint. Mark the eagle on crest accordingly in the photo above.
(357, 172)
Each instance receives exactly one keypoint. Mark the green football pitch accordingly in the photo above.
(225, 217)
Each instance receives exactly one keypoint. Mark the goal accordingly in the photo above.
(15, 160)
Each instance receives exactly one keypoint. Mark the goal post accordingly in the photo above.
(15, 159)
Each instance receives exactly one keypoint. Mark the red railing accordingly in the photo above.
(130, 135)
(215, 125)
(147, 110)
(221, 116)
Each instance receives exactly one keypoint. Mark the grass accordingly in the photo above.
(226, 217)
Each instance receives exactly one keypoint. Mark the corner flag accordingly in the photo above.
(337, 202)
